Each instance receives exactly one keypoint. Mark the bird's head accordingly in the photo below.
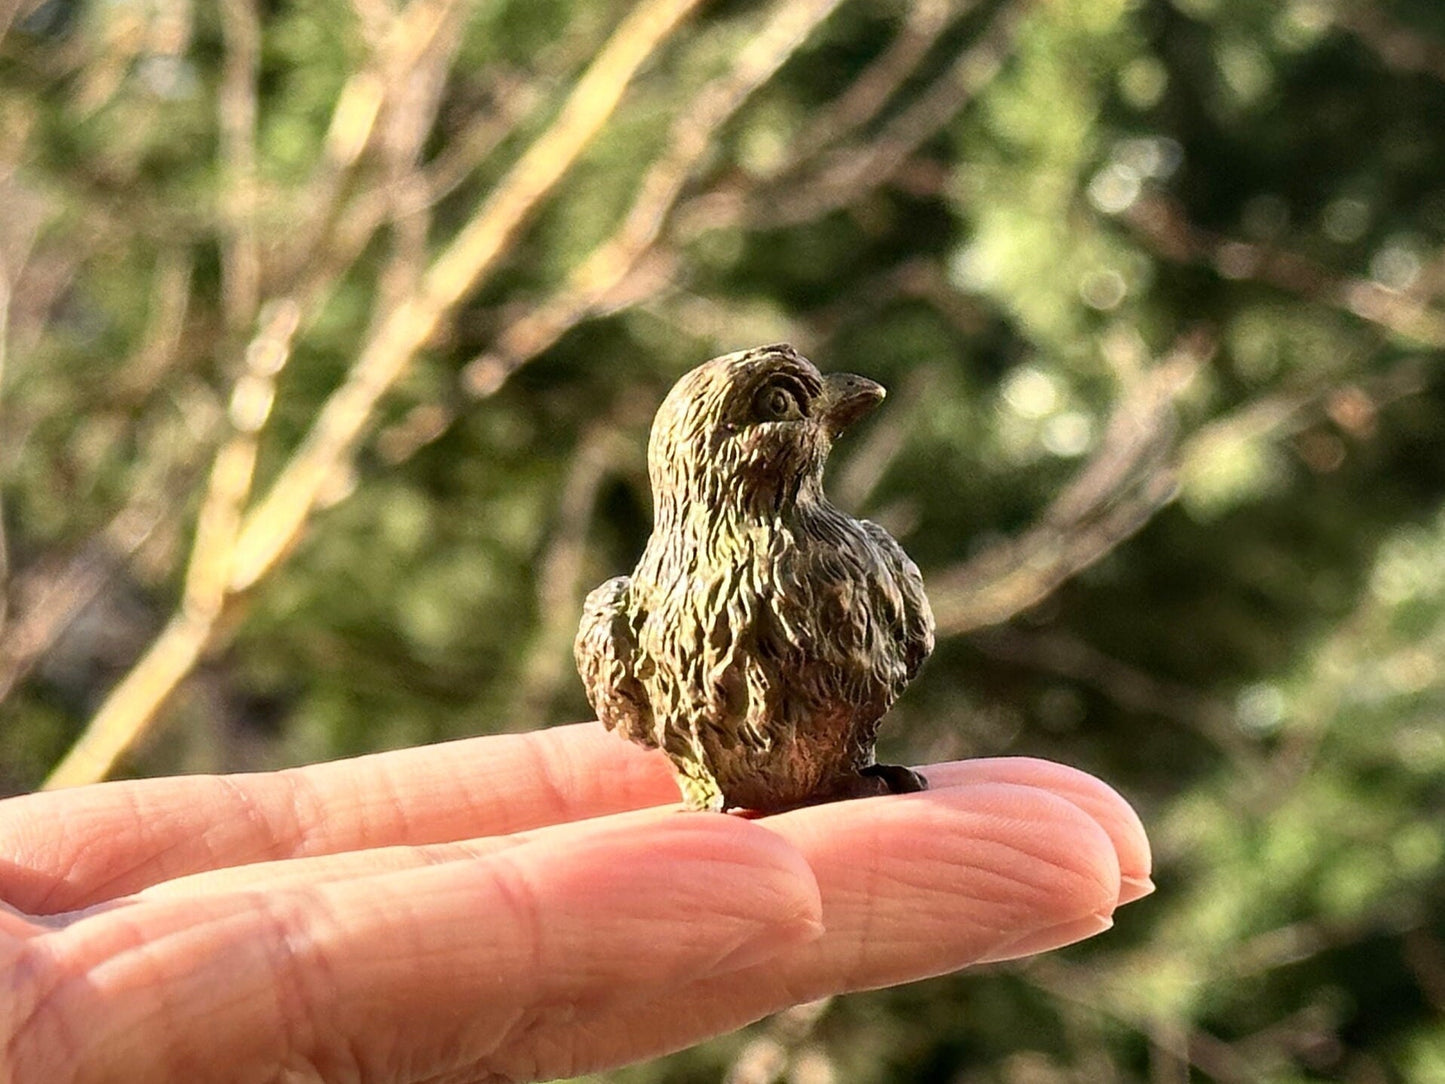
(751, 431)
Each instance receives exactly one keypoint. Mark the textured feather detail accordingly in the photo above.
(606, 654)
(914, 630)
(764, 633)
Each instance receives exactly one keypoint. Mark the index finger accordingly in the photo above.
(63, 850)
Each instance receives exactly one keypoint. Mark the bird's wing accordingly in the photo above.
(605, 650)
(914, 628)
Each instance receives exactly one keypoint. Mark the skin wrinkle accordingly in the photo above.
(277, 871)
(140, 821)
(869, 877)
(947, 821)
(288, 934)
(309, 814)
(381, 790)
(291, 939)
(483, 1062)
(43, 907)
(28, 858)
(519, 1055)
(944, 826)
(517, 894)
(997, 878)
(156, 839)
(388, 796)
(876, 930)
(545, 774)
(276, 835)
(135, 962)
(749, 928)
(403, 941)
(1096, 799)
(1064, 781)
(449, 1048)
(992, 873)
(929, 891)
(34, 983)
(1108, 881)
(277, 826)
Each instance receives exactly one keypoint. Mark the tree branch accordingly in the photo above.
(851, 171)
(236, 108)
(1130, 478)
(274, 525)
(1162, 225)
(133, 703)
(231, 552)
(602, 273)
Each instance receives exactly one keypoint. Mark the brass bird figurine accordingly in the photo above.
(764, 633)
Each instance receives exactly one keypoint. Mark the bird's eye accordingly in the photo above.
(776, 403)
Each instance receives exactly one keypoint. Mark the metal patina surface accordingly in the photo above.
(763, 633)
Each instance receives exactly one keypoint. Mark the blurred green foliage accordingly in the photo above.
(1259, 668)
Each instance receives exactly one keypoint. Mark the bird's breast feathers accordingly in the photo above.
(811, 597)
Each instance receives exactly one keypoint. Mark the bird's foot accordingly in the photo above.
(700, 792)
(897, 778)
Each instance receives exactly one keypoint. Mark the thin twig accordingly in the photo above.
(869, 461)
(852, 171)
(631, 267)
(399, 45)
(511, 98)
(1398, 46)
(1134, 475)
(559, 573)
(170, 298)
(133, 703)
(410, 115)
(50, 594)
(1162, 224)
(232, 553)
(1113, 495)
(237, 110)
(691, 136)
(5, 294)
(1131, 688)
(866, 96)
(1056, 977)
(274, 525)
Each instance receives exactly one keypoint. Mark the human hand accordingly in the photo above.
(507, 908)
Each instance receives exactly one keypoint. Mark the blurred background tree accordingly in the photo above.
(330, 332)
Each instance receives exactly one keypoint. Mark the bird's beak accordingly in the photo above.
(846, 398)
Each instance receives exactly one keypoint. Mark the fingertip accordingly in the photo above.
(1033, 836)
(1089, 793)
(1049, 939)
(918, 885)
(933, 881)
(1135, 888)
